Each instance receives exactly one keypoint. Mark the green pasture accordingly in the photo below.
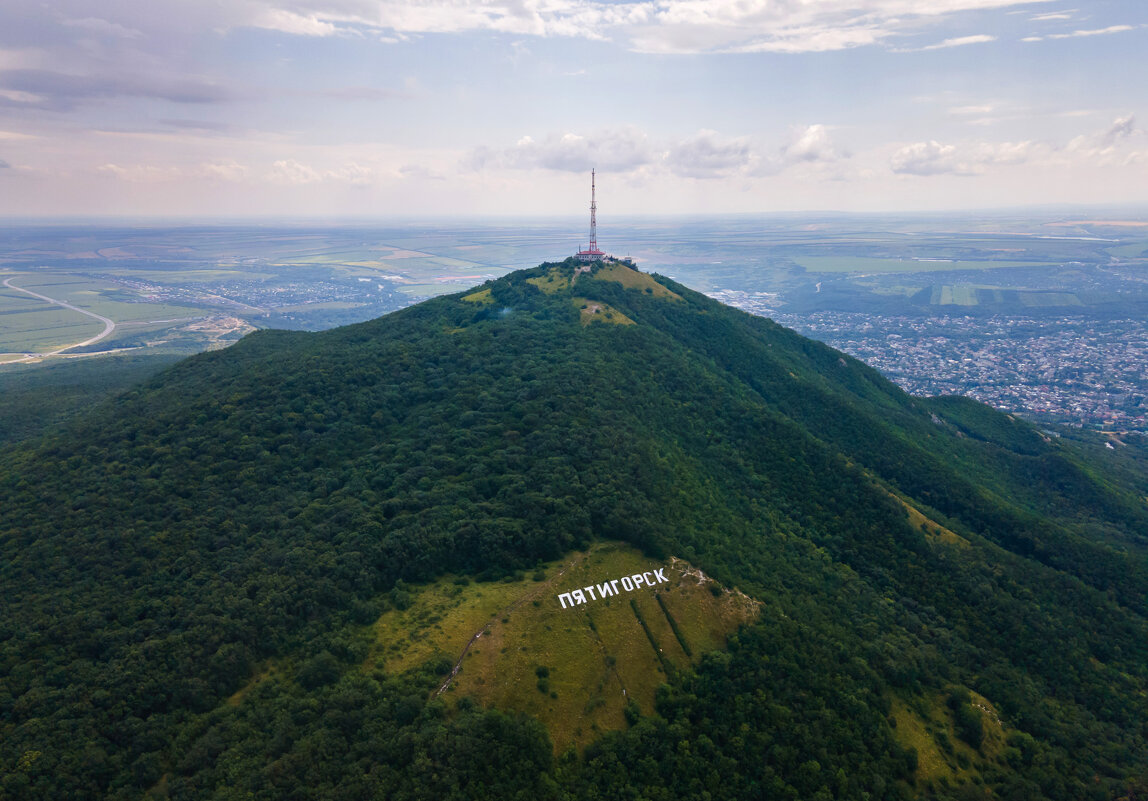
(634, 279)
(595, 311)
(925, 724)
(553, 282)
(575, 668)
(13, 301)
(1132, 250)
(865, 264)
(968, 295)
(482, 297)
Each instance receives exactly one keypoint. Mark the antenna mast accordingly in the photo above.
(592, 253)
(593, 215)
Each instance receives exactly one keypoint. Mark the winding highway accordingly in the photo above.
(109, 325)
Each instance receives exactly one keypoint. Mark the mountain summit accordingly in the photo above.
(333, 565)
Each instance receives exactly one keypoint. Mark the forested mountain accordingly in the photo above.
(951, 604)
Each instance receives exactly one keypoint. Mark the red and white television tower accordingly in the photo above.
(592, 253)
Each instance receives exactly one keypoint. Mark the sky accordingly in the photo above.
(393, 108)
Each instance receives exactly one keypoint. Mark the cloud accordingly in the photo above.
(1121, 127)
(929, 158)
(103, 27)
(1113, 146)
(652, 26)
(791, 26)
(421, 171)
(1053, 15)
(706, 155)
(1094, 32)
(294, 173)
(391, 20)
(364, 93)
(197, 125)
(289, 171)
(988, 153)
(810, 144)
(617, 150)
(65, 90)
(284, 21)
(140, 173)
(961, 41)
(225, 171)
(5, 165)
(971, 110)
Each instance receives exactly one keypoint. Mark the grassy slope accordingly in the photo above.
(596, 658)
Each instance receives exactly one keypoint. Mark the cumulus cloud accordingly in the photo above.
(810, 144)
(708, 155)
(1026, 152)
(294, 173)
(929, 158)
(140, 173)
(1120, 128)
(230, 171)
(617, 150)
(934, 158)
(1113, 146)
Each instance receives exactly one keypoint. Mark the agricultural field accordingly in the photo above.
(32, 326)
(24, 331)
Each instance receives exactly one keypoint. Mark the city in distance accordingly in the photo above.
(1043, 315)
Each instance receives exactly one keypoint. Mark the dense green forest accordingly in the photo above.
(37, 398)
(259, 506)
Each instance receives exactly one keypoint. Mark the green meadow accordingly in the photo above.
(583, 665)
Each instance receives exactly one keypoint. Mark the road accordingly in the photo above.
(109, 325)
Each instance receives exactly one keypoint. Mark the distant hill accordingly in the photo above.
(252, 575)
